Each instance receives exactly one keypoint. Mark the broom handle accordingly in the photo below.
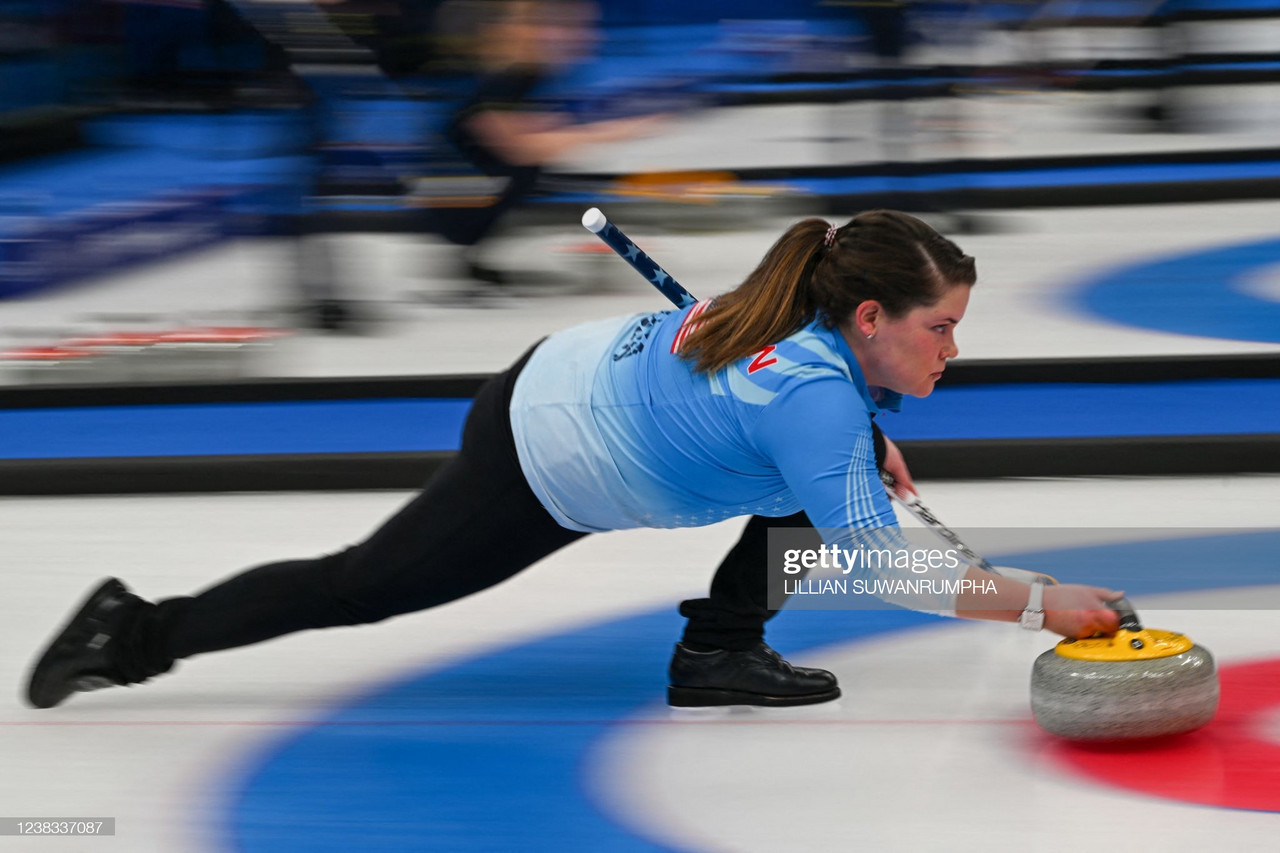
(922, 513)
(595, 222)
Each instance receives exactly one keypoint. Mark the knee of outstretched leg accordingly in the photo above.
(353, 594)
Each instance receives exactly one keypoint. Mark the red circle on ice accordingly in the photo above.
(1233, 762)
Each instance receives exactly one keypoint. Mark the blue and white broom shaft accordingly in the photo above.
(911, 503)
(596, 222)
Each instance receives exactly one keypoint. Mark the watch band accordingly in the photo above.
(1032, 617)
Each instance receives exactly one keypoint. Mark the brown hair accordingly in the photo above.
(882, 255)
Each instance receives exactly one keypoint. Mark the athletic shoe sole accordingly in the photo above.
(705, 697)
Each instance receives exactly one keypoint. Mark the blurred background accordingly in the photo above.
(256, 257)
(228, 182)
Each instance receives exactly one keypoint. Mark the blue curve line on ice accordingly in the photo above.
(488, 754)
(1197, 293)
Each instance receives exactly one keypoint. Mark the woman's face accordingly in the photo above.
(548, 33)
(907, 354)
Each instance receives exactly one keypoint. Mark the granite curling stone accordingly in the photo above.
(1137, 683)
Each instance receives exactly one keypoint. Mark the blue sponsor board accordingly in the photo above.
(37, 253)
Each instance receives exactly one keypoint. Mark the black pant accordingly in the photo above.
(469, 226)
(733, 616)
(438, 548)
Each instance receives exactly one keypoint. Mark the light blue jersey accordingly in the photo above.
(614, 430)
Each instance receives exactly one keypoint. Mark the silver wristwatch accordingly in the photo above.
(1032, 617)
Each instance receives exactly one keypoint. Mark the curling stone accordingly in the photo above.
(1138, 683)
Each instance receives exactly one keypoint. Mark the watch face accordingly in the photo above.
(1032, 620)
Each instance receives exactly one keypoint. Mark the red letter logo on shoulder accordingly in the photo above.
(762, 359)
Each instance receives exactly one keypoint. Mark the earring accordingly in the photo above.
(870, 335)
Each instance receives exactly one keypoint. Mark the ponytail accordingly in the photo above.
(772, 302)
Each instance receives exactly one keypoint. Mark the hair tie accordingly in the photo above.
(831, 236)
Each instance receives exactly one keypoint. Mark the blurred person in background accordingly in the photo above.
(484, 65)
(760, 401)
(887, 35)
(505, 132)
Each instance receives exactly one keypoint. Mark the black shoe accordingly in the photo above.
(83, 655)
(757, 676)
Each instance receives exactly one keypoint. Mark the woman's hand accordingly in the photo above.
(1071, 610)
(1077, 611)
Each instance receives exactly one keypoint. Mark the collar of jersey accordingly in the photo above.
(877, 399)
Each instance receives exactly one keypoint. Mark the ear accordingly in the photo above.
(866, 316)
